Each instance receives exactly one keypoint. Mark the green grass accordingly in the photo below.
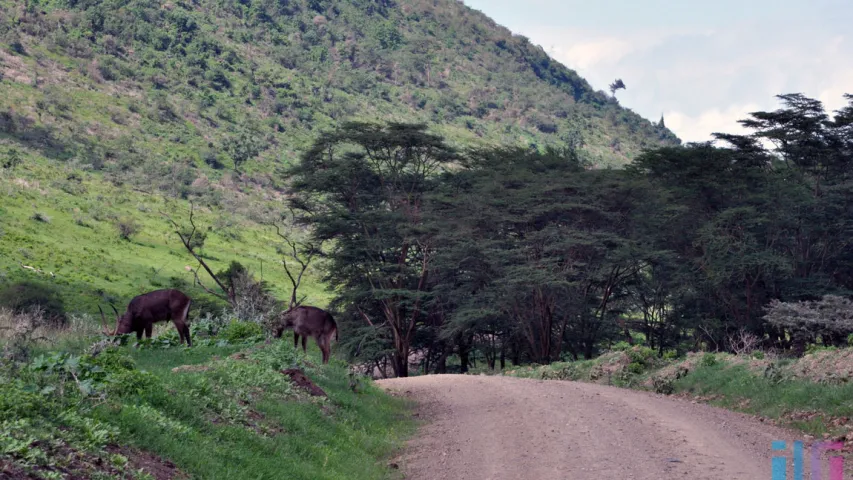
(347, 443)
(720, 379)
(80, 244)
(232, 419)
(736, 387)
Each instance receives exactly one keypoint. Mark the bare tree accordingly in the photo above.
(300, 252)
(193, 239)
(743, 342)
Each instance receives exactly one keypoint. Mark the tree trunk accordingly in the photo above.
(401, 362)
(516, 353)
(441, 363)
(463, 356)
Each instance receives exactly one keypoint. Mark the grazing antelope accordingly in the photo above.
(309, 322)
(152, 307)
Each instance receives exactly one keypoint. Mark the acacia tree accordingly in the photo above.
(533, 249)
(364, 186)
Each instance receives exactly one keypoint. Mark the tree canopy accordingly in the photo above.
(532, 256)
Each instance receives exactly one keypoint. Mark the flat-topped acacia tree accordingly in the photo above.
(363, 187)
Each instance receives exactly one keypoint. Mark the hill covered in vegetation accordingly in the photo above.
(113, 112)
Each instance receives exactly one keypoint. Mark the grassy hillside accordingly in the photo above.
(74, 240)
(108, 110)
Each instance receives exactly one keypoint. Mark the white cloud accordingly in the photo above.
(706, 79)
(589, 54)
(833, 95)
(698, 128)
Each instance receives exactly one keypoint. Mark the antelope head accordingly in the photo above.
(119, 323)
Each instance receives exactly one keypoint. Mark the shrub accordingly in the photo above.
(709, 360)
(237, 331)
(636, 367)
(127, 227)
(641, 355)
(670, 355)
(773, 373)
(832, 314)
(40, 217)
(24, 296)
(11, 160)
(663, 385)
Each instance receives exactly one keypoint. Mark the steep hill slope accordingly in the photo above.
(204, 100)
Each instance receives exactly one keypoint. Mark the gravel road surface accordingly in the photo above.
(496, 428)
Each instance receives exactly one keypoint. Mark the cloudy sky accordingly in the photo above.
(702, 64)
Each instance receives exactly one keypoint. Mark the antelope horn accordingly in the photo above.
(104, 326)
(117, 317)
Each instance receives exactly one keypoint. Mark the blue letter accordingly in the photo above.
(779, 465)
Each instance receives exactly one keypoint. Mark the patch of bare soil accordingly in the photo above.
(149, 463)
(299, 379)
(81, 466)
(493, 427)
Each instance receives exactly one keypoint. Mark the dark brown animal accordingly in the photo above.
(152, 307)
(309, 322)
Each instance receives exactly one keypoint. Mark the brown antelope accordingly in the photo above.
(309, 322)
(152, 307)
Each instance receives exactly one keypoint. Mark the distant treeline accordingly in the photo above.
(531, 256)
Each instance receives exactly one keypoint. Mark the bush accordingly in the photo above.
(24, 296)
(636, 367)
(127, 227)
(773, 373)
(670, 355)
(644, 356)
(709, 360)
(11, 160)
(40, 217)
(663, 385)
(237, 331)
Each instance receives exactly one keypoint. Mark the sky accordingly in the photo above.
(701, 64)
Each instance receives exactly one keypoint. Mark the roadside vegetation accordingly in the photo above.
(225, 408)
(811, 393)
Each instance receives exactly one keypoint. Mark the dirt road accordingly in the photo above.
(496, 428)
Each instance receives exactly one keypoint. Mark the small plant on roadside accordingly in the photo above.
(636, 368)
(663, 385)
(709, 360)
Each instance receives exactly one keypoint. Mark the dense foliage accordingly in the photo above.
(528, 254)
